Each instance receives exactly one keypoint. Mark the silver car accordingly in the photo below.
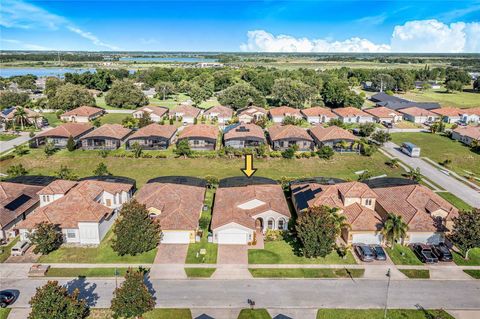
(364, 252)
(20, 248)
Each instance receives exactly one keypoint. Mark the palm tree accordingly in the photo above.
(414, 174)
(394, 229)
(340, 220)
(20, 116)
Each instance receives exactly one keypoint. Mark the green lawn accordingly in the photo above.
(378, 314)
(306, 273)
(416, 273)
(439, 148)
(7, 137)
(101, 254)
(402, 255)
(157, 313)
(5, 250)
(199, 272)
(113, 118)
(455, 201)
(52, 118)
(281, 252)
(4, 313)
(254, 314)
(85, 272)
(473, 258)
(474, 273)
(457, 99)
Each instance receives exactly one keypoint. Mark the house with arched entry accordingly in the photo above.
(242, 213)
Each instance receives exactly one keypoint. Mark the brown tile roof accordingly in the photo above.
(331, 133)
(414, 203)
(349, 112)
(243, 131)
(157, 110)
(362, 218)
(30, 114)
(284, 111)
(84, 111)
(278, 132)
(416, 111)
(227, 200)
(67, 129)
(470, 131)
(180, 206)
(200, 130)
(58, 186)
(154, 129)
(474, 110)
(115, 131)
(78, 205)
(382, 112)
(219, 111)
(252, 110)
(447, 111)
(186, 111)
(318, 111)
(9, 192)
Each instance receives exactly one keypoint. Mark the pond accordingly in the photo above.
(41, 72)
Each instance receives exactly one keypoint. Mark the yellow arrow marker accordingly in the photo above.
(249, 170)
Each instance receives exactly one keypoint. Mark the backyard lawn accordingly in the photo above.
(158, 313)
(402, 255)
(101, 254)
(439, 148)
(170, 102)
(52, 118)
(281, 252)
(416, 273)
(457, 99)
(378, 314)
(306, 273)
(113, 118)
(199, 272)
(473, 258)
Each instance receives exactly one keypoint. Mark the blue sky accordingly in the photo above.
(276, 26)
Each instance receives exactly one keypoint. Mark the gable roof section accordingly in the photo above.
(241, 130)
(470, 131)
(58, 186)
(318, 111)
(15, 199)
(284, 111)
(471, 111)
(279, 132)
(67, 129)
(331, 133)
(251, 110)
(114, 131)
(382, 112)
(157, 110)
(219, 111)
(199, 130)
(155, 130)
(84, 111)
(416, 111)
(9, 113)
(448, 111)
(186, 111)
(349, 112)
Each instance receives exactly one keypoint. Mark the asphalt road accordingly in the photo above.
(329, 293)
(449, 183)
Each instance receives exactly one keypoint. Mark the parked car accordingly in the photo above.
(424, 253)
(387, 124)
(364, 252)
(442, 252)
(20, 248)
(379, 252)
(6, 298)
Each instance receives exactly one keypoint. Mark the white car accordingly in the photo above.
(20, 248)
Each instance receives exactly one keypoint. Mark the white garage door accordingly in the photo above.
(431, 238)
(232, 238)
(367, 239)
(176, 237)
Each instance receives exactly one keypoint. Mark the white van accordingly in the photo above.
(20, 248)
(411, 149)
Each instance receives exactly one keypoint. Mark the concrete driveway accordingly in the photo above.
(232, 254)
(171, 254)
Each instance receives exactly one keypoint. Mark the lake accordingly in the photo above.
(167, 59)
(41, 72)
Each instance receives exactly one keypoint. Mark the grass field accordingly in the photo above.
(7, 137)
(85, 272)
(378, 314)
(53, 121)
(416, 273)
(154, 314)
(455, 201)
(463, 99)
(439, 148)
(4, 313)
(402, 255)
(474, 273)
(199, 272)
(254, 314)
(473, 258)
(113, 118)
(281, 252)
(306, 273)
(7, 249)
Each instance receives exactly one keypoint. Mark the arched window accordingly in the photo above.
(281, 224)
(271, 224)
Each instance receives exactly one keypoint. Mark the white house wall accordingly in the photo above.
(105, 225)
(270, 214)
(89, 233)
(232, 228)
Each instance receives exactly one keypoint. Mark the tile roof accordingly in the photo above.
(9, 114)
(199, 130)
(278, 132)
(186, 111)
(228, 199)
(470, 131)
(284, 111)
(219, 111)
(349, 112)
(180, 205)
(447, 111)
(252, 110)
(414, 203)
(154, 129)
(58, 186)
(474, 110)
(241, 130)
(15, 199)
(318, 111)
(382, 112)
(416, 111)
(77, 205)
(67, 129)
(331, 133)
(84, 111)
(115, 131)
(157, 110)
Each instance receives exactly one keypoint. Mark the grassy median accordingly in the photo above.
(378, 314)
(416, 273)
(306, 273)
(199, 272)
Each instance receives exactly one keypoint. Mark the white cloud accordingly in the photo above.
(22, 45)
(91, 37)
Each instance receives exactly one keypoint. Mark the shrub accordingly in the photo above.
(274, 235)
(275, 154)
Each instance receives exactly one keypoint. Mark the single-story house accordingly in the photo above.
(384, 114)
(243, 135)
(418, 115)
(382, 97)
(156, 113)
(187, 113)
(396, 103)
(432, 84)
(31, 117)
(449, 114)
(471, 116)
(317, 114)
(466, 134)
(355, 200)
(60, 134)
(427, 215)
(332, 136)
(251, 114)
(84, 210)
(200, 137)
(106, 137)
(177, 207)
(221, 113)
(284, 136)
(17, 201)
(153, 137)
(353, 115)
(278, 114)
(242, 213)
(82, 114)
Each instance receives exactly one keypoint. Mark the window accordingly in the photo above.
(368, 201)
(71, 233)
(196, 142)
(281, 224)
(270, 224)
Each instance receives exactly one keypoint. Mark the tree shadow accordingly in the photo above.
(148, 283)
(86, 290)
(427, 314)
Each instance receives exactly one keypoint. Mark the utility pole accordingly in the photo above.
(386, 295)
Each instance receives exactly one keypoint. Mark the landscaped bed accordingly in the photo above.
(306, 273)
(199, 272)
(154, 314)
(379, 314)
(402, 255)
(416, 273)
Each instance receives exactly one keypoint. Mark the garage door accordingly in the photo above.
(432, 238)
(232, 238)
(367, 238)
(176, 237)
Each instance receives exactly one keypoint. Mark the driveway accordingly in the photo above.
(232, 254)
(171, 254)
